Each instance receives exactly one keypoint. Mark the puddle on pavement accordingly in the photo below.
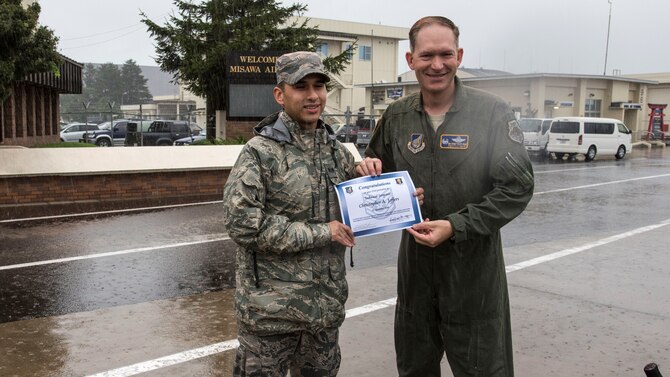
(97, 341)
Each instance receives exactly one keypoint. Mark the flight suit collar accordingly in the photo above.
(460, 97)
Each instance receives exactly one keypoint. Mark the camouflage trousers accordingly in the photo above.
(303, 353)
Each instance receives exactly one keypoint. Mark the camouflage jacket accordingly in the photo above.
(278, 201)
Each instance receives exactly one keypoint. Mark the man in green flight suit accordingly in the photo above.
(465, 148)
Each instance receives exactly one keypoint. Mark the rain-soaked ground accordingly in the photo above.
(121, 293)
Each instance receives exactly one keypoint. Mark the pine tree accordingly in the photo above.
(194, 43)
(25, 47)
(134, 85)
(106, 84)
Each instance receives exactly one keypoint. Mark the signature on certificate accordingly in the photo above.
(379, 203)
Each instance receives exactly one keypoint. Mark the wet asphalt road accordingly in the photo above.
(81, 296)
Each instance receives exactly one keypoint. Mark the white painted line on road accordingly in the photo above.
(370, 307)
(572, 169)
(109, 212)
(579, 249)
(170, 360)
(196, 353)
(601, 184)
(109, 254)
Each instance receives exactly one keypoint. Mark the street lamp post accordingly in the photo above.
(607, 45)
(121, 105)
(86, 105)
(111, 121)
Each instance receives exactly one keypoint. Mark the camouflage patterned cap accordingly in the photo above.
(292, 67)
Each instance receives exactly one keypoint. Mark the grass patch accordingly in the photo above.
(220, 141)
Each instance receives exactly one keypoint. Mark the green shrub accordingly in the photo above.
(65, 145)
(220, 141)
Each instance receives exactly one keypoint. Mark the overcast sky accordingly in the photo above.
(518, 36)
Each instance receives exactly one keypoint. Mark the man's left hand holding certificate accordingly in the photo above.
(379, 204)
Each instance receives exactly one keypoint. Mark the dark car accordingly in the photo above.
(365, 128)
(346, 133)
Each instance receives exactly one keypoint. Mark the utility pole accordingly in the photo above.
(607, 46)
(372, 70)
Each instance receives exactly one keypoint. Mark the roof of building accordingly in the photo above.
(511, 76)
(661, 77)
(357, 28)
(480, 74)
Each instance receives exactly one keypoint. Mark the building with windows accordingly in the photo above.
(31, 115)
(374, 60)
(550, 95)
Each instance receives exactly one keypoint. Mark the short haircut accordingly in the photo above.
(431, 20)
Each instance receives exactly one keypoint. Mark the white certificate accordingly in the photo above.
(372, 205)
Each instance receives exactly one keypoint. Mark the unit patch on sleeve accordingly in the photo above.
(416, 143)
(515, 132)
(448, 141)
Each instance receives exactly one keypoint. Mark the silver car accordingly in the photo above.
(75, 131)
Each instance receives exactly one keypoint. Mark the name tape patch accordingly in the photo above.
(448, 141)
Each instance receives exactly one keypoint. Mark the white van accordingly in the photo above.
(588, 136)
(535, 135)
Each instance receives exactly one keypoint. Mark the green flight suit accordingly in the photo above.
(476, 173)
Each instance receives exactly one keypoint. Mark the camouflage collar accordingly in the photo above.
(281, 128)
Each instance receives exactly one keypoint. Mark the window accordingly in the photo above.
(378, 95)
(565, 127)
(622, 128)
(365, 53)
(592, 108)
(322, 49)
(347, 46)
(605, 128)
(598, 128)
(530, 125)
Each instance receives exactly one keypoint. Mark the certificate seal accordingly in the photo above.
(379, 204)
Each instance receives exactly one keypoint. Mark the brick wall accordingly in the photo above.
(36, 196)
(236, 128)
(29, 116)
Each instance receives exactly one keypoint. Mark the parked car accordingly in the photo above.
(165, 132)
(188, 140)
(364, 133)
(336, 127)
(346, 133)
(117, 137)
(535, 135)
(588, 136)
(74, 131)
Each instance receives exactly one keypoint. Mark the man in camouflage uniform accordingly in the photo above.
(465, 148)
(281, 208)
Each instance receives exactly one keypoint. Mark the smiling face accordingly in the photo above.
(435, 59)
(303, 102)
